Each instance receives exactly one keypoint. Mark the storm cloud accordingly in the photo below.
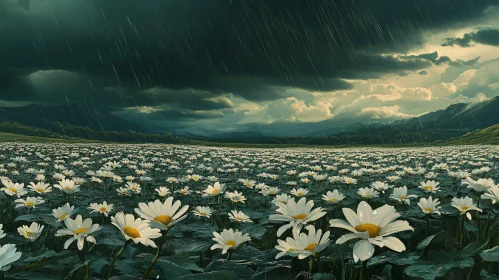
(190, 59)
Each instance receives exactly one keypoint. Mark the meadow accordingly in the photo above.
(109, 211)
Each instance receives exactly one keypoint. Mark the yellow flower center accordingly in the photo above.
(464, 208)
(164, 219)
(371, 228)
(403, 197)
(63, 216)
(300, 216)
(430, 188)
(132, 232)
(230, 243)
(299, 193)
(30, 203)
(81, 230)
(427, 210)
(214, 191)
(239, 218)
(67, 188)
(103, 209)
(13, 190)
(202, 213)
(311, 247)
(333, 200)
(40, 190)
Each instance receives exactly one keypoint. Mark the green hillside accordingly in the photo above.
(487, 136)
(11, 137)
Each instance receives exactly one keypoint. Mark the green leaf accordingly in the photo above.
(241, 270)
(428, 240)
(274, 273)
(49, 255)
(98, 265)
(111, 241)
(169, 270)
(470, 227)
(438, 266)
(216, 275)
(27, 218)
(473, 248)
(491, 255)
(323, 276)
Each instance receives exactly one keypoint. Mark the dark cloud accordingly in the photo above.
(192, 55)
(485, 37)
(423, 72)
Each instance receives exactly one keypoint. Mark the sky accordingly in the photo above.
(227, 65)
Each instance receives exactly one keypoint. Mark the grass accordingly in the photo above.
(11, 137)
(487, 136)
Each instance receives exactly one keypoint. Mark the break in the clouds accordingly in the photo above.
(224, 64)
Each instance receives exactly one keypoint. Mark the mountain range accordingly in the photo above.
(457, 119)
(74, 114)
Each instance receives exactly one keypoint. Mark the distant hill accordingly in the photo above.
(73, 114)
(489, 135)
(470, 116)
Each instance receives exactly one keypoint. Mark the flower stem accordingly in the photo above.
(311, 264)
(427, 224)
(461, 230)
(114, 260)
(160, 245)
(363, 270)
(229, 255)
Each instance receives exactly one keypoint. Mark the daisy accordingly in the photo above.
(133, 187)
(123, 191)
(297, 214)
(214, 190)
(429, 186)
(299, 192)
(202, 211)
(239, 216)
(303, 244)
(30, 202)
(162, 191)
(480, 185)
(270, 191)
(429, 206)
(368, 193)
(492, 194)
(464, 205)
(380, 186)
(235, 197)
(68, 186)
(400, 195)
(79, 230)
(162, 215)
(333, 197)
(102, 208)
(32, 232)
(372, 227)
(8, 255)
(184, 191)
(229, 239)
(137, 230)
(13, 189)
(281, 198)
(40, 187)
(63, 212)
